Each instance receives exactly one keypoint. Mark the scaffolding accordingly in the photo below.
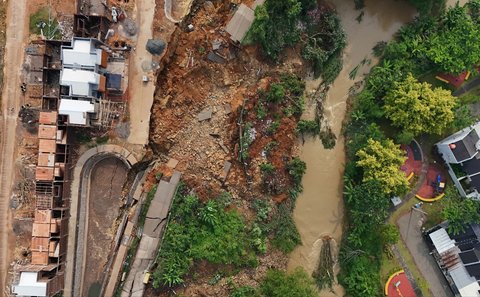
(110, 113)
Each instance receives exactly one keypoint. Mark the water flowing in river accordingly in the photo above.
(319, 210)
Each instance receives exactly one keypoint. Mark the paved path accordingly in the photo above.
(475, 82)
(16, 24)
(421, 255)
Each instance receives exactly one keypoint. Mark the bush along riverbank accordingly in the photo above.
(398, 103)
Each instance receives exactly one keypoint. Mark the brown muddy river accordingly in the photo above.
(319, 210)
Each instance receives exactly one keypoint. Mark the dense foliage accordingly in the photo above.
(326, 40)
(276, 25)
(200, 231)
(393, 104)
(460, 212)
(381, 162)
(416, 108)
(282, 23)
(455, 46)
(280, 284)
(428, 7)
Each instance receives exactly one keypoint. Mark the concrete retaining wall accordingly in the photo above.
(79, 191)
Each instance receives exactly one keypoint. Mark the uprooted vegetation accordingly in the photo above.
(317, 28)
(252, 122)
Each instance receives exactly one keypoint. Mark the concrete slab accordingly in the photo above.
(205, 114)
(226, 169)
(172, 163)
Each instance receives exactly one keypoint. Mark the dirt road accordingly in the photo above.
(141, 94)
(11, 101)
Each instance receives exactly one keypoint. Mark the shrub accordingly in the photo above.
(309, 127)
(280, 284)
(361, 277)
(296, 169)
(198, 231)
(275, 26)
(244, 291)
(284, 231)
(276, 93)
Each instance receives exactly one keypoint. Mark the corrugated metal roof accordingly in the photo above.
(240, 23)
(466, 285)
(441, 241)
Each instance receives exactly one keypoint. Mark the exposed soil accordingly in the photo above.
(107, 180)
(189, 83)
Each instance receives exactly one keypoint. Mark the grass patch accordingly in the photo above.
(389, 266)
(434, 211)
(145, 206)
(201, 231)
(43, 20)
(421, 282)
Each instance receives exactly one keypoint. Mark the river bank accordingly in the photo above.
(319, 209)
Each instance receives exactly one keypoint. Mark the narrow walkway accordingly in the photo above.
(153, 230)
(410, 226)
(475, 82)
(409, 274)
(421, 179)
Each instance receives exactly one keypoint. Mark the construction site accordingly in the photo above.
(123, 96)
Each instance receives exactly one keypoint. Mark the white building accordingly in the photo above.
(460, 152)
(84, 53)
(82, 78)
(82, 83)
(29, 285)
(79, 111)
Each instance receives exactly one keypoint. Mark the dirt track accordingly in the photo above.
(141, 94)
(16, 20)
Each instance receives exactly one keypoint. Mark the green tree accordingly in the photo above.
(280, 284)
(416, 108)
(276, 26)
(381, 161)
(460, 212)
(361, 277)
(368, 205)
(455, 47)
(427, 7)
